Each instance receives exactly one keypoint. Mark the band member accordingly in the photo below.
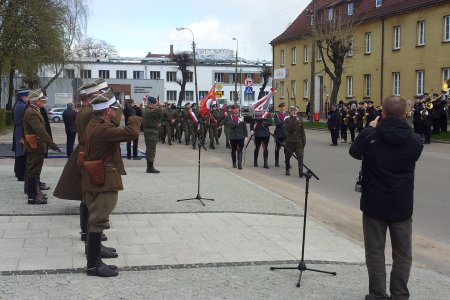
(418, 121)
(102, 140)
(295, 140)
(238, 133)
(344, 121)
(351, 121)
(151, 122)
(427, 117)
(262, 135)
(334, 120)
(371, 112)
(280, 131)
(360, 116)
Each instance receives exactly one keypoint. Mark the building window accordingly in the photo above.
(282, 57)
(306, 51)
(350, 46)
(421, 33)
(305, 89)
(367, 85)
(69, 73)
(445, 74)
(319, 55)
(294, 88)
(350, 9)
(397, 37)
(121, 74)
(202, 94)
(447, 29)
(103, 74)
(85, 74)
(420, 75)
(155, 75)
(219, 77)
(189, 95)
(249, 97)
(378, 3)
(190, 77)
(282, 89)
(138, 74)
(232, 95)
(368, 39)
(349, 86)
(171, 96)
(396, 81)
(294, 56)
(232, 77)
(171, 76)
(330, 14)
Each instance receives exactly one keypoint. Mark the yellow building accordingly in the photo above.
(399, 47)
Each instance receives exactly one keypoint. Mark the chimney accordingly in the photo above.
(171, 50)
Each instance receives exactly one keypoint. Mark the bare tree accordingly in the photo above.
(334, 41)
(266, 73)
(183, 61)
(95, 48)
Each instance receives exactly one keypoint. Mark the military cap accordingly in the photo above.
(22, 92)
(93, 87)
(282, 104)
(370, 102)
(105, 100)
(36, 95)
(151, 100)
(187, 105)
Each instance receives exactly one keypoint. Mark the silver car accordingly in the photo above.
(55, 114)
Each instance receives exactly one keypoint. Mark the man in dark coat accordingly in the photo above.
(70, 117)
(389, 150)
(18, 111)
(129, 111)
(371, 112)
(334, 121)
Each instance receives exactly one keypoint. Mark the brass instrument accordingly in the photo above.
(429, 105)
(424, 112)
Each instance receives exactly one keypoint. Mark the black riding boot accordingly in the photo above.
(84, 217)
(95, 265)
(33, 191)
(288, 166)
(151, 168)
(277, 157)
(239, 157)
(255, 158)
(300, 166)
(233, 158)
(266, 156)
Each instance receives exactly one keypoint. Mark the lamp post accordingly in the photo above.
(312, 90)
(195, 63)
(235, 71)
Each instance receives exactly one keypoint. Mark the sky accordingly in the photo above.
(136, 27)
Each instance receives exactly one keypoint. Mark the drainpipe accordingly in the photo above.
(382, 63)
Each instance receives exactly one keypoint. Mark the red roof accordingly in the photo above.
(365, 10)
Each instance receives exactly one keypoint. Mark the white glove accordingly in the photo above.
(241, 119)
(251, 133)
(245, 140)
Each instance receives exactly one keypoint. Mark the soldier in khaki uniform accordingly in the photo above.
(185, 123)
(37, 141)
(295, 139)
(102, 140)
(168, 121)
(151, 122)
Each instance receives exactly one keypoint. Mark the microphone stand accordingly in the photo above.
(201, 144)
(302, 265)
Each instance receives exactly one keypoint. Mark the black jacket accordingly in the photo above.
(69, 117)
(389, 153)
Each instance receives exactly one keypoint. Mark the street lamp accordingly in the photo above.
(195, 62)
(312, 90)
(235, 71)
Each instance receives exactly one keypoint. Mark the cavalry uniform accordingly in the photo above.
(262, 136)
(295, 140)
(280, 132)
(238, 133)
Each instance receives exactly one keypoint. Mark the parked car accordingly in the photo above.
(55, 114)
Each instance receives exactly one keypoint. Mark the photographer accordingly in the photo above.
(389, 150)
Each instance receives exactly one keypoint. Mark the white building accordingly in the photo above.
(157, 74)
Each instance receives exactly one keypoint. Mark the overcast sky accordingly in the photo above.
(136, 27)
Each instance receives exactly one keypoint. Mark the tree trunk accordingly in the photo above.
(182, 93)
(261, 89)
(10, 88)
(336, 84)
(53, 79)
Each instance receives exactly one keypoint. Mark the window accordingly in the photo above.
(69, 73)
(282, 57)
(350, 46)
(232, 78)
(171, 76)
(189, 95)
(282, 89)
(447, 29)
(294, 88)
(319, 55)
(396, 81)
(367, 85)
(350, 9)
(121, 74)
(232, 95)
(378, 3)
(85, 74)
(138, 74)
(305, 89)
(202, 94)
(171, 96)
(190, 77)
(421, 33)
(445, 74)
(294, 56)
(397, 37)
(155, 75)
(249, 97)
(330, 14)
(103, 74)
(368, 48)
(306, 51)
(349, 86)
(420, 75)
(219, 77)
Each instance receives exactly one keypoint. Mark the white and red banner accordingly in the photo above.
(261, 103)
(208, 101)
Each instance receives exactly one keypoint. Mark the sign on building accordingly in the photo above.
(280, 74)
(63, 98)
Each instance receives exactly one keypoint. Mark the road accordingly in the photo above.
(332, 200)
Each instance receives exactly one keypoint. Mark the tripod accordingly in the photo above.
(201, 144)
(302, 265)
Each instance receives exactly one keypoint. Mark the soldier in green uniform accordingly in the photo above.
(102, 144)
(168, 121)
(220, 118)
(37, 141)
(195, 130)
(178, 124)
(295, 139)
(151, 122)
(185, 123)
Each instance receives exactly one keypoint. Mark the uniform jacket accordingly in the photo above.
(280, 130)
(33, 123)
(389, 153)
(351, 123)
(238, 128)
(84, 115)
(103, 140)
(151, 119)
(18, 114)
(295, 131)
(168, 115)
(334, 120)
(372, 114)
(69, 118)
(263, 129)
(219, 116)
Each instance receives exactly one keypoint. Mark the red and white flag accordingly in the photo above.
(264, 116)
(194, 119)
(259, 105)
(208, 101)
